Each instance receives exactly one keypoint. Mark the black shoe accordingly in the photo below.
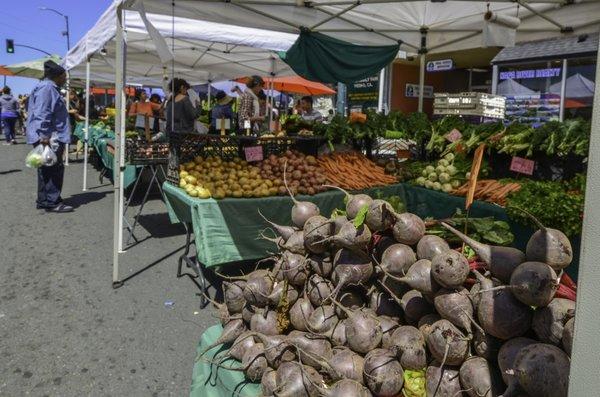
(60, 208)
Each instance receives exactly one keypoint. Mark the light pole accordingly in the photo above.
(67, 34)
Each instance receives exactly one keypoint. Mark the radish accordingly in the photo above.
(300, 312)
(284, 231)
(507, 356)
(268, 382)
(318, 289)
(382, 373)
(447, 343)
(408, 344)
(388, 326)
(450, 269)
(320, 264)
(567, 336)
(408, 228)
(296, 380)
(534, 283)
(478, 378)
(501, 260)
(430, 245)
(500, 313)
(317, 230)
(354, 202)
(233, 295)
(302, 210)
(294, 269)
(380, 216)
(419, 277)
(456, 307)
(442, 381)
(231, 331)
(397, 259)
(347, 364)
(265, 323)
(350, 268)
(543, 370)
(549, 322)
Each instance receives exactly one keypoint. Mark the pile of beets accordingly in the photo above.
(340, 315)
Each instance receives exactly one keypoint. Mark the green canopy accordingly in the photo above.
(33, 69)
(319, 57)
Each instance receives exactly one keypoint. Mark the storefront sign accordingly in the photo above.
(253, 153)
(412, 91)
(530, 74)
(364, 94)
(440, 65)
(522, 166)
(453, 135)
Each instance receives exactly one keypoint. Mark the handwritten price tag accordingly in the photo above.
(522, 166)
(253, 153)
(453, 135)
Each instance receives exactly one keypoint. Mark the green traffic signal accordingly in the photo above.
(10, 46)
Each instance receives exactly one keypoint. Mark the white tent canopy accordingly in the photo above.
(203, 51)
(509, 87)
(577, 87)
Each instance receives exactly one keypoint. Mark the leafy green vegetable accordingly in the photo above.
(414, 383)
(486, 229)
(361, 215)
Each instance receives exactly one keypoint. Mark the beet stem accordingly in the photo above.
(286, 185)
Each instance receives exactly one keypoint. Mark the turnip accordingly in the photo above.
(397, 259)
(231, 331)
(456, 307)
(296, 380)
(486, 345)
(294, 268)
(350, 268)
(450, 269)
(500, 313)
(351, 237)
(507, 356)
(300, 312)
(233, 295)
(388, 326)
(284, 231)
(430, 245)
(419, 277)
(447, 343)
(380, 216)
(320, 264)
(241, 344)
(408, 344)
(347, 364)
(408, 228)
(254, 362)
(548, 245)
(567, 336)
(317, 231)
(501, 260)
(268, 382)
(346, 388)
(442, 381)
(318, 289)
(543, 370)
(382, 373)
(479, 378)
(265, 323)
(302, 210)
(534, 283)
(354, 202)
(549, 322)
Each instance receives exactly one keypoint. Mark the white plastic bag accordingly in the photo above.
(41, 156)
(48, 156)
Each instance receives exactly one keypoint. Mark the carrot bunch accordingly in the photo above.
(489, 190)
(353, 171)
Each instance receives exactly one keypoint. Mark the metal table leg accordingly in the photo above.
(153, 180)
(191, 262)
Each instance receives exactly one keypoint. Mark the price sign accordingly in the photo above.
(522, 166)
(253, 153)
(453, 135)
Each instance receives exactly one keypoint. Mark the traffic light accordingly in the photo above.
(10, 46)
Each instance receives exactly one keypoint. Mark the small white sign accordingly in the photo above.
(440, 65)
(247, 124)
(412, 91)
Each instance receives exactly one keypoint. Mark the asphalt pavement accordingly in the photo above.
(64, 331)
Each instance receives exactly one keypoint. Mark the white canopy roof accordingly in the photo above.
(509, 87)
(203, 51)
(451, 25)
(577, 87)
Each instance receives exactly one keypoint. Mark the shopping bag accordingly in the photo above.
(41, 156)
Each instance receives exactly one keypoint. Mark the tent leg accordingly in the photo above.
(117, 183)
(209, 89)
(563, 91)
(494, 79)
(341, 99)
(380, 96)
(421, 81)
(87, 123)
(584, 380)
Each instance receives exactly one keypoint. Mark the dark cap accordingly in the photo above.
(52, 69)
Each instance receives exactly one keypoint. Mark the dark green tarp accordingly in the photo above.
(319, 57)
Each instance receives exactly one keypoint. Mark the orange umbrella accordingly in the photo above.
(5, 72)
(296, 85)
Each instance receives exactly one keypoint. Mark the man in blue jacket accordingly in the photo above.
(48, 118)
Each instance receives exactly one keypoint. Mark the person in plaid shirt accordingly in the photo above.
(249, 109)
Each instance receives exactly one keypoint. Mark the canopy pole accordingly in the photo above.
(494, 79)
(271, 97)
(584, 380)
(563, 91)
(380, 96)
(119, 119)
(209, 89)
(421, 81)
(87, 122)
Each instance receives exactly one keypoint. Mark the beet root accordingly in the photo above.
(382, 372)
(548, 322)
(397, 259)
(317, 230)
(456, 307)
(408, 344)
(320, 264)
(408, 228)
(450, 269)
(350, 268)
(347, 388)
(550, 246)
(388, 326)
(294, 269)
(479, 379)
(415, 306)
(254, 362)
(231, 331)
(384, 305)
(241, 344)
(543, 370)
(299, 313)
(268, 382)
(347, 364)
(380, 216)
(534, 283)
(419, 277)
(486, 345)
(259, 285)
(445, 341)
(426, 322)
(567, 336)
(507, 356)
(265, 323)
(233, 295)
(363, 332)
(296, 380)
(430, 245)
(352, 237)
(322, 319)
(284, 231)
(312, 349)
(318, 289)
(442, 381)
(354, 202)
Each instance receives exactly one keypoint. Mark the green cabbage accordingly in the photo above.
(414, 383)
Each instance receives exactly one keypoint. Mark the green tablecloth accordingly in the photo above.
(208, 380)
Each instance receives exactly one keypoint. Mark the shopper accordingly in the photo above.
(249, 105)
(221, 110)
(308, 112)
(9, 113)
(157, 113)
(181, 113)
(143, 110)
(49, 119)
